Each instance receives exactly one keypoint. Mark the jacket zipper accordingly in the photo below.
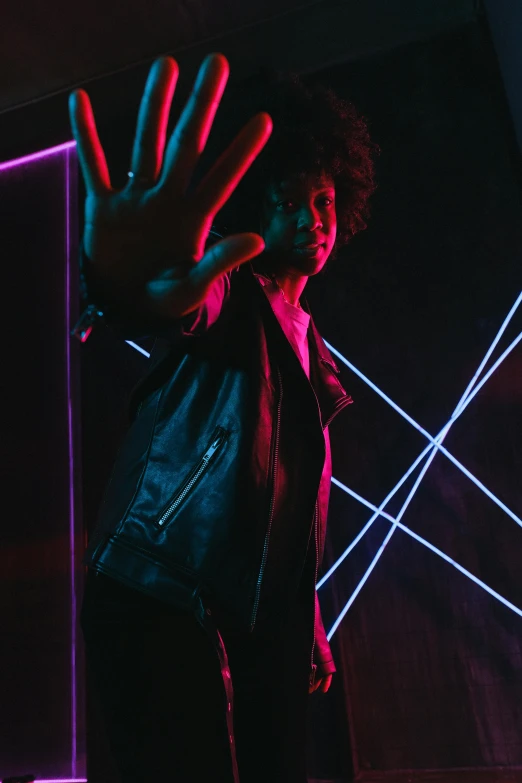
(313, 667)
(272, 500)
(198, 471)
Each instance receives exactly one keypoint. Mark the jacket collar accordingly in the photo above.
(331, 395)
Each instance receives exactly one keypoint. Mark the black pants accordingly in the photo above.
(159, 682)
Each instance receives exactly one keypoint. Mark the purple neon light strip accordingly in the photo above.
(27, 159)
(72, 520)
(462, 404)
(60, 780)
(9, 164)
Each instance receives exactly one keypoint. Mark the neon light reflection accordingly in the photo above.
(463, 402)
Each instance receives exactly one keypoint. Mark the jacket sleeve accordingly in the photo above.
(322, 653)
(124, 322)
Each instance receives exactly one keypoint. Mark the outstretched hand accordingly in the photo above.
(147, 241)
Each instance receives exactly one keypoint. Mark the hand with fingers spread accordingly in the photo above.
(146, 243)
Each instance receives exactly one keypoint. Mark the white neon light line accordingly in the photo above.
(462, 404)
(378, 391)
(437, 441)
(138, 348)
(378, 512)
(396, 523)
(492, 347)
(396, 407)
(360, 498)
(420, 540)
(360, 585)
(481, 486)
(401, 412)
(460, 568)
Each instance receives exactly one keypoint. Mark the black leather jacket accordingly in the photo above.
(223, 458)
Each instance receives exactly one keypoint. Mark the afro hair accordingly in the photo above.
(315, 131)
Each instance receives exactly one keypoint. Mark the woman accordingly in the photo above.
(205, 558)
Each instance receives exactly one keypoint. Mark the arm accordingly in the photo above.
(323, 666)
(322, 653)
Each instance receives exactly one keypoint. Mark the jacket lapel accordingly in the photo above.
(324, 372)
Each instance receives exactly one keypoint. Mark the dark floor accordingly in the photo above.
(450, 776)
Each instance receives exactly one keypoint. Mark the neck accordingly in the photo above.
(292, 286)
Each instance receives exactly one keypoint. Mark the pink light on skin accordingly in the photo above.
(35, 156)
(87, 333)
(221, 70)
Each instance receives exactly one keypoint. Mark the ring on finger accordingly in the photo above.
(143, 180)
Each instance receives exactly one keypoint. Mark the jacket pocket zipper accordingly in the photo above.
(218, 440)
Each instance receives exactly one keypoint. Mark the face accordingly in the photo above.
(300, 224)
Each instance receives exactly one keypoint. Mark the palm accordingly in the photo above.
(149, 238)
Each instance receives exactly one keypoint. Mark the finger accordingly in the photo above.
(90, 151)
(327, 681)
(190, 135)
(153, 117)
(224, 176)
(226, 255)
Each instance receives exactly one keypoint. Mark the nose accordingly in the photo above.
(309, 219)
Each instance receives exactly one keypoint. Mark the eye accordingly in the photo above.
(326, 201)
(286, 206)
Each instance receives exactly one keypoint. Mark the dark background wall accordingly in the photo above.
(429, 665)
(42, 715)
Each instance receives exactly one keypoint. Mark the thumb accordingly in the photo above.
(227, 254)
